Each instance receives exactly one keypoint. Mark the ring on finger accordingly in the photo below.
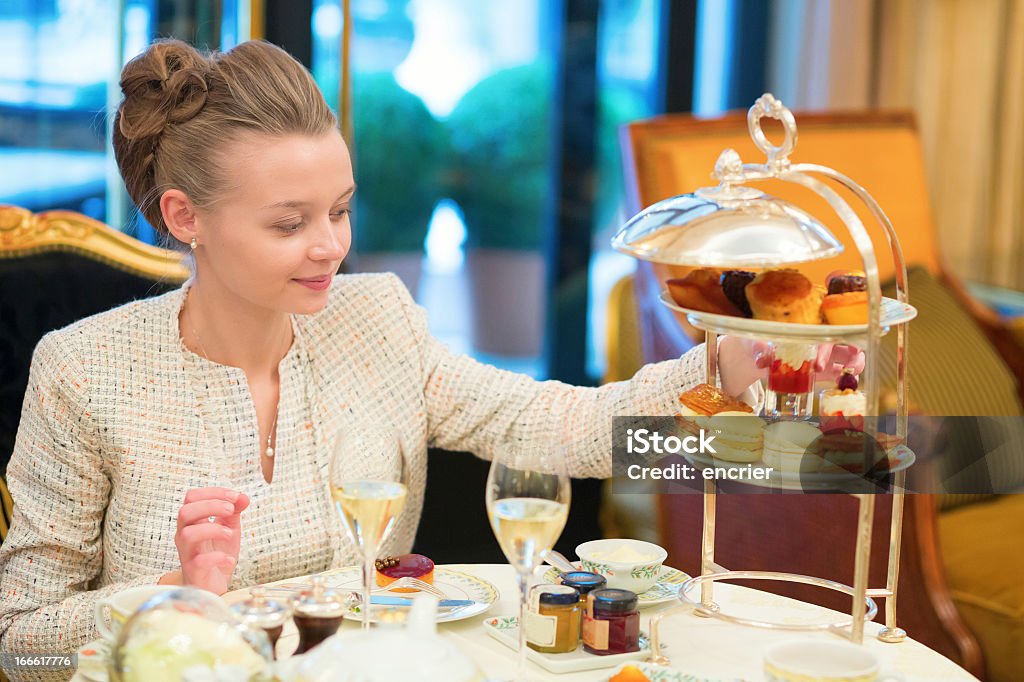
(211, 519)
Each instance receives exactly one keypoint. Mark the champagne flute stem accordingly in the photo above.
(524, 595)
(369, 554)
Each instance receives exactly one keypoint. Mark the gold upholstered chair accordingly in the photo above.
(55, 268)
(960, 587)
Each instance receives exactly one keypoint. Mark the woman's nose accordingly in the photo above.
(331, 243)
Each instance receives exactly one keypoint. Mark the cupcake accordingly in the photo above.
(784, 296)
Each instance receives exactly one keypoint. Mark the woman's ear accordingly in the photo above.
(179, 215)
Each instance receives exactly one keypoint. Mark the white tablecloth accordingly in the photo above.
(702, 647)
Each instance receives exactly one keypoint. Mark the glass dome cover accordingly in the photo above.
(728, 226)
(189, 634)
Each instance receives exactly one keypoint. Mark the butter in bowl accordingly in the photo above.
(626, 564)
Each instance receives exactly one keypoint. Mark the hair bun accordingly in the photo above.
(166, 84)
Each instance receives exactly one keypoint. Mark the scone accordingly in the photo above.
(701, 290)
(785, 296)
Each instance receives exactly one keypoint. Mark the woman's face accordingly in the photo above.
(280, 230)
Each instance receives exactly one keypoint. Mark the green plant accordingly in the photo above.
(400, 149)
(500, 133)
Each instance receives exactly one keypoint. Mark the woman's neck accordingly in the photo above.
(234, 332)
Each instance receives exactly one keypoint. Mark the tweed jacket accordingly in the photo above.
(120, 420)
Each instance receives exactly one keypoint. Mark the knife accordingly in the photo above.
(401, 601)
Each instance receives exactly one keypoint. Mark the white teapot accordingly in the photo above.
(386, 654)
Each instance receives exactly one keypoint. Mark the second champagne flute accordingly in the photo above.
(528, 496)
(366, 484)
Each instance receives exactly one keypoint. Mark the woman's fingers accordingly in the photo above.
(194, 512)
(194, 540)
(212, 493)
(211, 560)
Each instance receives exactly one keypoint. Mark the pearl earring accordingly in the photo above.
(193, 244)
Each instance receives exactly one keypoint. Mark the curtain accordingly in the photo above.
(959, 65)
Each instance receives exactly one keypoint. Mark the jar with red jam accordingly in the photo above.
(611, 622)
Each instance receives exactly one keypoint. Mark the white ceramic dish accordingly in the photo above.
(892, 313)
(505, 629)
(455, 585)
(665, 590)
(658, 674)
(635, 576)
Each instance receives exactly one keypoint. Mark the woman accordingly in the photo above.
(182, 439)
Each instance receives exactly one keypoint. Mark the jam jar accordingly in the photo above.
(553, 619)
(584, 582)
(611, 622)
(266, 614)
(317, 614)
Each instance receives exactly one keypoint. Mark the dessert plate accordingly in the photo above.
(900, 458)
(505, 629)
(892, 313)
(663, 591)
(454, 584)
(661, 674)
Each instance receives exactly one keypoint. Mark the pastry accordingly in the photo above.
(792, 367)
(847, 308)
(843, 407)
(629, 673)
(734, 283)
(706, 400)
(701, 290)
(784, 296)
(739, 436)
(391, 568)
(845, 281)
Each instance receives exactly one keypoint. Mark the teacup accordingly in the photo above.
(121, 607)
(814, 661)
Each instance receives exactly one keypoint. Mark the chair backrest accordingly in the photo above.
(6, 510)
(56, 268)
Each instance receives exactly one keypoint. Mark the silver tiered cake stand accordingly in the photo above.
(738, 226)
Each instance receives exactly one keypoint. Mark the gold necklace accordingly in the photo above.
(269, 452)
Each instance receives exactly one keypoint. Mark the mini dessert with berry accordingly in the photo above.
(843, 407)
(391, 568)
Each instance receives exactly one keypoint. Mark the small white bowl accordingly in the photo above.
(636, 576)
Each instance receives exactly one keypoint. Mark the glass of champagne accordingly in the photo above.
(367, 484)
(527, 498)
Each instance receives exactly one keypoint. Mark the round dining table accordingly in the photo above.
(704, 648)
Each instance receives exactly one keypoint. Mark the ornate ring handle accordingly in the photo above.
(768, 105)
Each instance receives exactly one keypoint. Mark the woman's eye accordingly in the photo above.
(341, 213)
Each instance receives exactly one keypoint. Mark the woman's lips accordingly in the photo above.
(316, 283)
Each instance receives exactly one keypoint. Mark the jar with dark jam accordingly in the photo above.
(266, 614)
(317, 614)
(611, 622)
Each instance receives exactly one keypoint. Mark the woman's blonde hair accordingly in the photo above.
(181, 106)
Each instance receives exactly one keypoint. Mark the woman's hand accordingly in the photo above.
(744, 361)
(209, 536)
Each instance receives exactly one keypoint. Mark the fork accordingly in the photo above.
(410, 582)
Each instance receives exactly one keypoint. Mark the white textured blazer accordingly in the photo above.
(120, 420)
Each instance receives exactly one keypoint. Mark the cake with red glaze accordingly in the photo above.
(391, 568)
